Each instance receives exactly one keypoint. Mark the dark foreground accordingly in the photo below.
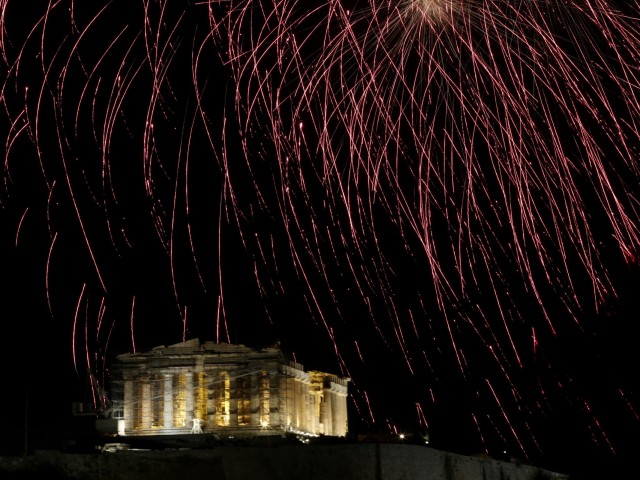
(290, 462)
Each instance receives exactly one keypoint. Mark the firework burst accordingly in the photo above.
(433, 10)
(498, 138)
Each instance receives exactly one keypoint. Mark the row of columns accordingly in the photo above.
(306, 403)
(313, 404)
(179, 399)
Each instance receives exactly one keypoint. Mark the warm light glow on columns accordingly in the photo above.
(168, 400)
(188, 378)
(145, 407)
(265, 399)
(127, 408)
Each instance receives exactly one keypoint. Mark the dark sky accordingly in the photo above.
(443, 210)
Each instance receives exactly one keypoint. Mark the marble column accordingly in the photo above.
(190, 390)
(145, 399)
(168, 401)
(128, 407)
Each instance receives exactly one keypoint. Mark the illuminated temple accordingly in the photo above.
(195, 387)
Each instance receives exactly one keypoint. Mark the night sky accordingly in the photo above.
(438, 200)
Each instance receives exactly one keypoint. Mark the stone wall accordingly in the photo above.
(291, 462)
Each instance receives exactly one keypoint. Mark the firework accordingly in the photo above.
(454, 182)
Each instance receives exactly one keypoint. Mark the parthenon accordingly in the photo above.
(195, 387)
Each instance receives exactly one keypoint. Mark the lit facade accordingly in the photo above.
(195, 387)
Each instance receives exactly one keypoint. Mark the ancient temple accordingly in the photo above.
(195, 387)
